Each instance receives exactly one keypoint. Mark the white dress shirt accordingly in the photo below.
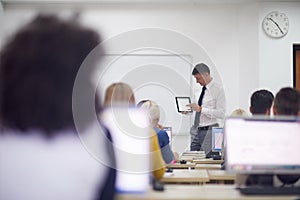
(213, 105)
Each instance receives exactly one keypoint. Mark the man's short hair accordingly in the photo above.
(287, 101)
(261, 101)
(200, 68)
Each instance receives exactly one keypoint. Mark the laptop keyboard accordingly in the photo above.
(270, 190)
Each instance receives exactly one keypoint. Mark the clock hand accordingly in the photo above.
(275, 24)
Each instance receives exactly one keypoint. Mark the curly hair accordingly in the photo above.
(38, 67)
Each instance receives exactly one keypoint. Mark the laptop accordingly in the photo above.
(168, 129)
(216, 143)
(131, 141)
(217, 139)
(262, 145)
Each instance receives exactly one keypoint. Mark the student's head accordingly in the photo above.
(119, 94)
(153, 112)
(38, 67)
(239, 113)
(287, 102)
(201, 73)
(139, 104)
(261, 102)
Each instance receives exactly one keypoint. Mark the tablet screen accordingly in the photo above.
(181, 103)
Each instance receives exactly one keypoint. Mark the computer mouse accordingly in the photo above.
(169, 170)
(182, 161)
(216, 157)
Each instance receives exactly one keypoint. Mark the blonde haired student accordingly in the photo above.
(163, 138)
(121, 94)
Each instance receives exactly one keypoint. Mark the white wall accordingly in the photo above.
(276, 55)
(244, 58)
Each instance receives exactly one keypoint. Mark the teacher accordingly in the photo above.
(210, 109)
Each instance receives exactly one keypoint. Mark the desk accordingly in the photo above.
(191, 158)
(207, 161)
(198, 192)
(193, 153)
(221, 176)
(186, 176)
(181, 166)
(208, 166)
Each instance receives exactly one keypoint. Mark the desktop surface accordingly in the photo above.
(200, 192)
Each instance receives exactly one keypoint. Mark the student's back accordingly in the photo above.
(41, 154)
(287, 103)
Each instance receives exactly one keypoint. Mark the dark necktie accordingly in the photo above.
(201, 96)
(196, 122)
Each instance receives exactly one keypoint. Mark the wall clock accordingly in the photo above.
(276, 24)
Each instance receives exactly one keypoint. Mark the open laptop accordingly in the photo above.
(216, 143)
(168, 129)
(217, 139)
(262, 145)
(131, 141)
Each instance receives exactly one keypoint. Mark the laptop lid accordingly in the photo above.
(168, 129)
(217, 139)
(129, 128)
(262, 145)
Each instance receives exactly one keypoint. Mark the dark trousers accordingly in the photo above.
(201, 139)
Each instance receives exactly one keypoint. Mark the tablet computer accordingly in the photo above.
(181, 103)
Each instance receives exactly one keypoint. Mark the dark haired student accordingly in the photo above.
(287, 103)
(261, 102)
(41, 154)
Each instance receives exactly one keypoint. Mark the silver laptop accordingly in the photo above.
(168, 129)
(129, 128)
(262, 145)
(217, 139)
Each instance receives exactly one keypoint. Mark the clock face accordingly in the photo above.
(276, 24)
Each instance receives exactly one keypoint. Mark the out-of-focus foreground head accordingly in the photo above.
(38, 67)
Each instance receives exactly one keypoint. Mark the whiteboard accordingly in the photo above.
(157, 77)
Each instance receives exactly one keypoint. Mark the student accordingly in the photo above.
(121, 94)
(41, 154)
(261, 102)
(163, 138)
(239, 113)
(210, 109)
(236, 113)
(287, 103)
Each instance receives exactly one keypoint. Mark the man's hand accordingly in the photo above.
(194, 107)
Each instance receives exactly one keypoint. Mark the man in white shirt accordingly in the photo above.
(210, 109)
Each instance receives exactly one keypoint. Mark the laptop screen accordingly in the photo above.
(217, 139)
(131, 142)
(169, 132)
(260, 145)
